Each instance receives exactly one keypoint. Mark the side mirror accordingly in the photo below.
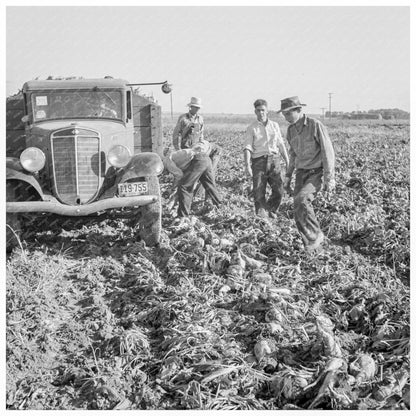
(167, 88)
(25, 119)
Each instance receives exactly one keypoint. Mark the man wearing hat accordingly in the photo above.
(189, 134)
(189, 131)
(263, 143)
(190, 126)
(312, 155)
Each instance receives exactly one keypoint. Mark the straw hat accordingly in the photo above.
(195, 102)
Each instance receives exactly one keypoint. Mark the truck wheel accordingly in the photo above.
(150, 222)
(13, 227)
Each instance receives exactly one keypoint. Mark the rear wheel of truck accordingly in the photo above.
(150, 222)
(13, 223)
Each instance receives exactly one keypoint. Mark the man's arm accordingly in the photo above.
(170, 165)
(290, 166)
(202, 127)
(292, 157)
(283, 150)
(289, 171)
(176, 133)
(247, 162)
(248, 149)
(328, 155)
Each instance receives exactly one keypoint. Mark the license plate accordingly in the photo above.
(132, 188)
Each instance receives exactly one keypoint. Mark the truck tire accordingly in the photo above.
(13, 225)
(150, 222)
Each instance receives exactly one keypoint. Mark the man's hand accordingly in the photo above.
(329, 186)
(249, 171)
(286, 185)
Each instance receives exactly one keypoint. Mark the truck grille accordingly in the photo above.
(76, 164)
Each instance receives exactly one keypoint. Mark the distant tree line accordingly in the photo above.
(395, 113)
(384, 113)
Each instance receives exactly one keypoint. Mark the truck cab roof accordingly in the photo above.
(83, 83)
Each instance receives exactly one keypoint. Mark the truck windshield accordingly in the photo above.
(52, 105)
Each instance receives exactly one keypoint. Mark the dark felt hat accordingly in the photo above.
(290, 103)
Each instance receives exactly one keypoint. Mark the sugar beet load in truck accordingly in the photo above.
(80, 147)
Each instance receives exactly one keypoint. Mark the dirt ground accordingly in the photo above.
(228, 312)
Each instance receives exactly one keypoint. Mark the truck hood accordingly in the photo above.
(111, 132)
(98, 125)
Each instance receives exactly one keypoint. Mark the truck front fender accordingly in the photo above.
(13, 163)
(143, 164)
(15, 172)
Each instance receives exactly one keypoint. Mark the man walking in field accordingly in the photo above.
(263, 143)
(312, 155)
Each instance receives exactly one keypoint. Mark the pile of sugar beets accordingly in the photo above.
(299, 331)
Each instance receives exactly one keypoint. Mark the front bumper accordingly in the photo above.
(55, 207)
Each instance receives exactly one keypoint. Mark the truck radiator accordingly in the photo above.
(76, 164)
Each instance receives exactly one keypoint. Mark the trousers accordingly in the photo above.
(215, 156)
(266, 170)
(307, 184)
(200, 169)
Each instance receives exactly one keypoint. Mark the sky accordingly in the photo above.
(227, 56)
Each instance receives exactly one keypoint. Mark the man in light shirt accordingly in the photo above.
(263, 143)
(312, 155)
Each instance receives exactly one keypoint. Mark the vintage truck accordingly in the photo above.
(81, 147)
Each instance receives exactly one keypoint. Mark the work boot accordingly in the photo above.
(207, 208)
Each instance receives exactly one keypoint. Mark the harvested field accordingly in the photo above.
(228, 312)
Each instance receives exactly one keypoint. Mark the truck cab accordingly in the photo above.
(80, 147)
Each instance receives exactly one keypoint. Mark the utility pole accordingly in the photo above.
(323, 112)
(330, 98)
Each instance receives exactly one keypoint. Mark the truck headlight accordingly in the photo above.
(119, 156)
(32, 159)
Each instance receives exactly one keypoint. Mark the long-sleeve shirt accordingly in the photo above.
(176, 162)
(190, 130)
(263, 140)
(310, 147)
